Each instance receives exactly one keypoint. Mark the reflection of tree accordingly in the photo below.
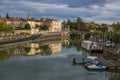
(75, 36)
(3, 55)
(45, 50)
(87, 35)
(27, 49)
(75, 44)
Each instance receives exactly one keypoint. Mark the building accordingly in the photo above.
(110, 29)
(18, 23)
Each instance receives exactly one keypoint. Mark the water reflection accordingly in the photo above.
(113, 75)
(30, 49)
(40, 68)
(42, 48)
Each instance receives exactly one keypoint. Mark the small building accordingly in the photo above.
(110, 29)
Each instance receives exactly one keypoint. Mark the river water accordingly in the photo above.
(50, 60)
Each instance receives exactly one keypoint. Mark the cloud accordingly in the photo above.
(106, 11)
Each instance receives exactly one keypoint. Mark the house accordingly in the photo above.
(18, 23)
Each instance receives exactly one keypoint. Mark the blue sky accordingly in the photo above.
(100, 11)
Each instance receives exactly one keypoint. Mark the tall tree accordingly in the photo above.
(7, 16)
(116, 26)
(80, 24)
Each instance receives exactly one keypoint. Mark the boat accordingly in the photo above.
(92, 57)
(79, 61)
(92, 46)
(95, 67)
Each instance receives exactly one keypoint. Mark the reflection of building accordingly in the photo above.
(34, 49)
(55, 47)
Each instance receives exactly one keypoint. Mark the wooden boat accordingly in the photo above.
(91, 46)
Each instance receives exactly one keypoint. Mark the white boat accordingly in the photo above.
(91, 46)
(91, 57)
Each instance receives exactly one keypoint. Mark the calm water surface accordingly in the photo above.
(47, 61)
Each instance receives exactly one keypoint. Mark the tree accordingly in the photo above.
(10, 28)
(37, 26)
(116, 34)
(27, 26)
(44, 27)
(7, 16)
(80, 24)
(116, 26)
(4, 27)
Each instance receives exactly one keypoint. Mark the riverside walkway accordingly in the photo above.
(32, 37)
(35, 36)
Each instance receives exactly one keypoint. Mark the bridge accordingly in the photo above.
(78, 32)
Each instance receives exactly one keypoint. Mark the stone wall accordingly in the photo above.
(22, 31)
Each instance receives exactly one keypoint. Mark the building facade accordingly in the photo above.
(18, 23)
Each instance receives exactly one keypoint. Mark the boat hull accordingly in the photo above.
(96, 69)
(96, 51)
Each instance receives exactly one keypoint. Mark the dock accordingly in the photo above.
(110, 64)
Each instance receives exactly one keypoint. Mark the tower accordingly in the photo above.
(28, 15)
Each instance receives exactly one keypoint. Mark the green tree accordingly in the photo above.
(80, 24)
(4, 27)
(116, 26)
(44, 27)
(27, 26)
(37, 26)
(7, 16)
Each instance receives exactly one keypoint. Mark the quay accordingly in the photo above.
(36, 36)
(110, 64)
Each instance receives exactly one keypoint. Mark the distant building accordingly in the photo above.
(54, 25)
(110, 29)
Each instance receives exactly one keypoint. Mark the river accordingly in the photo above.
(49, 60)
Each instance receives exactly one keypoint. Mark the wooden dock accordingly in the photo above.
(110, 64)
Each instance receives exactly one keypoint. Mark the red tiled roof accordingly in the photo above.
(31, 19)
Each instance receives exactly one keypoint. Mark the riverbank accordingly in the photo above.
(42, 36)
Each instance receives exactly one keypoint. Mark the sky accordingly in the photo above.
(99, 11)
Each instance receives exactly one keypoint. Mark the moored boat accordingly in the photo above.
(92, 46)
(79, 61)
(95, 67)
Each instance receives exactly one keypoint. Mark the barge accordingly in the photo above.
(91, 46)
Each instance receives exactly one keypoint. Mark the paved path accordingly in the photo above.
(32, 37)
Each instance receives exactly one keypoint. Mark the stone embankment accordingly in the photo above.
(34, 37)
